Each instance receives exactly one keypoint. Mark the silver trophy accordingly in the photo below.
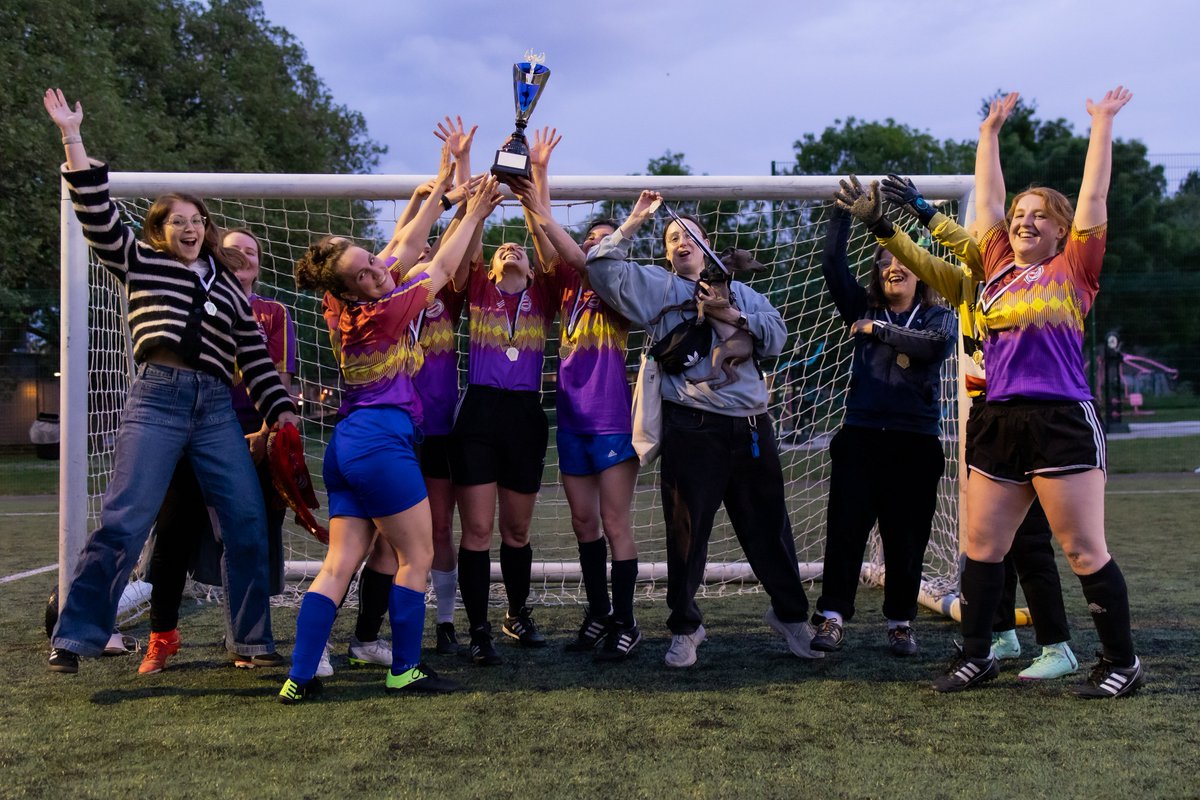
(529, 78)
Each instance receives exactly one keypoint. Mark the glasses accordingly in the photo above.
(180, 222)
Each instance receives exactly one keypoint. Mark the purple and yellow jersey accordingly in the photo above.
(508, 331)
(593, 394)
(279, 333)
(373, 346)
(437, 381)
(1033, 316)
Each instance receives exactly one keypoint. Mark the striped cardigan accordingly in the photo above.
(166, 300)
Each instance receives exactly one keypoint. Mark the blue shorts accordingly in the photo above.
(592, 453)
(371, 468)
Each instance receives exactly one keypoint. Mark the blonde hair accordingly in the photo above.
(1058, 209)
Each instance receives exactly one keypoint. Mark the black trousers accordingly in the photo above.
(709, 459)
(184, 542)
(1031, 560)
(885, 476)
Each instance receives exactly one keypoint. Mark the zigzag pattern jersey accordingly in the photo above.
(508, 331)
(279, 333)
(437, 381)
(374, 348)
(593, 394)
(1033, 316)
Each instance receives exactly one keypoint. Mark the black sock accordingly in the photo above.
(516, 563)
(373, 591)
(981, 586)
(624, 576)
(1108, 603)
(474, 583)
(593, 560)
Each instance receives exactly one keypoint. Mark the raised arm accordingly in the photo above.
(544, 142)
(408, 241)
(989, 180)
(456, 243)
(549, 239)
(1092, 210)
(69, 121)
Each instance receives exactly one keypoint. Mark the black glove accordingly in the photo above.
(902, 192)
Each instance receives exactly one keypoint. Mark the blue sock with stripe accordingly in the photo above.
(406, 611)
(313, 624)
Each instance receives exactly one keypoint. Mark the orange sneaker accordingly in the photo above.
(162, 646)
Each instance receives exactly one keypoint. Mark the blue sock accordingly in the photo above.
(406, 611)
(313, 624)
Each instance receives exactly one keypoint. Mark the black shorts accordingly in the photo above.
(499, 436)
(1013, 440)
(435, 457)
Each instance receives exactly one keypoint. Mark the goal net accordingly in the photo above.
(780, 219)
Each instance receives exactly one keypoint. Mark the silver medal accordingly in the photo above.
(210, 307)
(512, 353)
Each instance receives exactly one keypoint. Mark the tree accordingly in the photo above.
(166, 85)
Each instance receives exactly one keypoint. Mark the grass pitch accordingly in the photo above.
(748, 721)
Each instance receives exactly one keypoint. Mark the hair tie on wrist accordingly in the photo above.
(446, 204)
(74, 138)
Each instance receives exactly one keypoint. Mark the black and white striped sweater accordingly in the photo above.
(166, 300)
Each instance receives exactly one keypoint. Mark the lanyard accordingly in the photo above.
(415, 327)
(512, 321)
(912, 314)
(576, 312)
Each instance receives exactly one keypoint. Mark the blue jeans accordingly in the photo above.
(172, 414)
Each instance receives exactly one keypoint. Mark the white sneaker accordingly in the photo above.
(1055, 661)
(324, 668)
(1005, 645)
(376, 652)
(799, 635)
(682, 652)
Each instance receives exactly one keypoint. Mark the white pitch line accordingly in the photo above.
(28, 573)
(1155, 491)
(29, 514)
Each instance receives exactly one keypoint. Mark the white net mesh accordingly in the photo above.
(808, 382)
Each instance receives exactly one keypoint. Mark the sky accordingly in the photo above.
(732, 85)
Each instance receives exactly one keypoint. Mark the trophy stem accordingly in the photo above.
(519, 133)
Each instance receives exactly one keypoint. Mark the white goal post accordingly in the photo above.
(780, 218)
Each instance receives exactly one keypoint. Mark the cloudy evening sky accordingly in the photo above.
(733, 84)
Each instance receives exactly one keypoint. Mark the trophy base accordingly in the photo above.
(509, 164)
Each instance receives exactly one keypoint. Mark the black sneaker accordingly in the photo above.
(447, 639)
(521, 627)
(828, 638)
(419, 680)
(619, 643)
(260, 660)
(482, 650)
(63, 660)
(1106, 680)
(966, 672)
(293, 693)
(592, 632)
(902, 641)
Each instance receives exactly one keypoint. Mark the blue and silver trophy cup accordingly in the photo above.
(529, 78)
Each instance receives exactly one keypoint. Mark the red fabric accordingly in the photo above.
(289, 473)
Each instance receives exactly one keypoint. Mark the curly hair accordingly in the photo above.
(317, 269)
(1058, 208)
(153, 232)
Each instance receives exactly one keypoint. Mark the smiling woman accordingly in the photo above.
(192, 328)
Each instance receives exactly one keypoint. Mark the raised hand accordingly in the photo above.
(903, 193)
(544, 142)
(862, 205)
(528, 194)
(456, 137)
(999, 111)
(485, 198)
(463, 190)
(446, 166)
(67, 119)
(1112, 102)
(647, 203)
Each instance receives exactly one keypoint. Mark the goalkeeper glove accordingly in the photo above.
(904, 193)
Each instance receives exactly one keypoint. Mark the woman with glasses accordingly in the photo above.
(191, 326)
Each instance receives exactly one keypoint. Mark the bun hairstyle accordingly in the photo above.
(1058, 209)
(316, 271)
(155, 222)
